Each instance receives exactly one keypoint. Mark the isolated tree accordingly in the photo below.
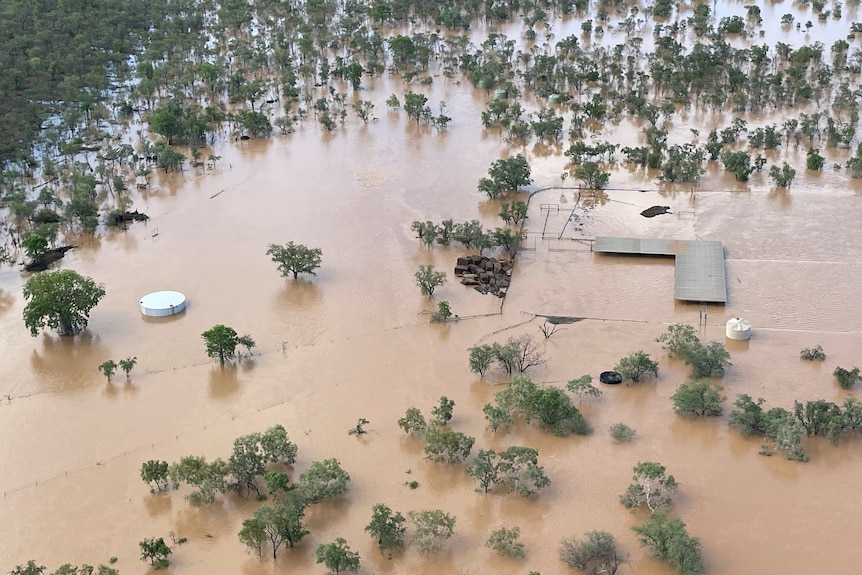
(221, 342)
(60, 300)
(699, 397)
(650, 487)
(35, 246)
(710, 360)
(592, 175)
(155, 472)
(155, 551)
(295, 258)
(127, 365)
(322, 480)
(782, 177)
(507, 174)
(415, 106)
(678, 340)
(738, 163)
(30, 568)
(519, 471)
(428, 280)
(513, 212)
(443, 313)
(386, 527)
(846, 378)
(595, 554)
(108, 369)
(637, 366)
(505, 542)
(431, 529)
(413, 422)
(669, 541)
(443, 445)
(621, 433)
(442, 413)
(815, 353)
(337, 557)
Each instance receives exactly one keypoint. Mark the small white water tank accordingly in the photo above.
(738, 329)
(163, 303)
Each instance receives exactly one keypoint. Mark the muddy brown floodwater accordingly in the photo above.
(354, 341)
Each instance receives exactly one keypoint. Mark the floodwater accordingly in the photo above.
(355, 341)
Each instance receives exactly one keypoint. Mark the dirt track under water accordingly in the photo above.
(353, 342)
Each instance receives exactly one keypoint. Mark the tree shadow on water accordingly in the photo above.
(68, 361)
(223, 381)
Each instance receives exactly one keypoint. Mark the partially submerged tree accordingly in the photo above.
(595, 554)
(60, 300)
(505, 542)
(294, 259)
(443, 445)
(432, 529)
(846, 378)
(155, 472)
(507, 174)
(519, 471)
(221, 342)
(650, 487)
(323, 480)
(386, 527)
(699, 397)
(583, 386)
(428, 279)
(155, 551)
(637, 366)
(108, 369)
(337, 557)
(669, 541)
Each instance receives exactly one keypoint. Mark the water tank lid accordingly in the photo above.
(738, 324)
(163, 300)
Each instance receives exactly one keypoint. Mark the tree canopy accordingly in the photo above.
(221, 342)
(60, 300)
(294, 259)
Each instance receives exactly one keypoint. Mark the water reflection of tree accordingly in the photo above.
(224, 381)
(6, 301)
(300, 294)
(66, 362)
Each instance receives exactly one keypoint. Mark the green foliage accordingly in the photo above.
(518, 471)
(281, 523)
(431, 529)
(323, 480)
(337, 557)
(442, 445)
(847, 378)
(549, 406)
(814, 161)
(782, 177)
(295, 259)
(637, 366)
(108, 369)
(513, 212)
(505, 542)
(678, 340)
(251, 454)
(35, 246)
(127, 365)
(60, 300)
(484, 469)
(583, 387)
(415, 106)
(221, 342)
(413, 422)
(669, 541)
(359, 429)
(428, 280)
(443, 313)
(29, 569)
(621, 433)
(155, 472)
(738, 163)
(507, 174)
(386, 527)
(650, 487)
(820, 418)
(813, 353)
(708, 360)
(699, 397)
(516, 355)
(481, 357)
(155, 551)
(253, 535)
(594, 554)
(442, 413)
(592, 175)
(208, 479)
(777, 424)
(254, 123)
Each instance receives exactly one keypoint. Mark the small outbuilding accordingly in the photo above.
(738, 329)
(163, 303)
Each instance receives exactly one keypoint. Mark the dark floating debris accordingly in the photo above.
(655, 211)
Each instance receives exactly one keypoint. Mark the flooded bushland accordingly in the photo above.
(355, 341)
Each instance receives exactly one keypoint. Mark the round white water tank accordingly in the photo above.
(163, 303)
(738, 329)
